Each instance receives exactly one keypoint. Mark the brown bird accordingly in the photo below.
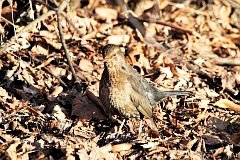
(124, 91)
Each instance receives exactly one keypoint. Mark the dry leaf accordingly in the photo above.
(12, 150)
(218, 151)
(106, 13)
(58, 113)
(118, 39)
(56, 92)
(102, 153)
(167, 71)
(191, 143)
(212, 139)
(86, 65)
(121, 147)
(54, 43)
(49, 35)
(40, 48)
(143, 6)
(84, 108)
(225, 103)
(201, 116)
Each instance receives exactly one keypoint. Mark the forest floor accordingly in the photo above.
(178, 45)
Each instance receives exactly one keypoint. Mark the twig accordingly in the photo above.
(151, 20)
(234, 4)
(62, 13)
(71, 23)
(5, 20)
(59, 79)
(76, 80)
(1, 9)
(136, 21)
(133, 20)
(25, 29)
(227, 61)
(61, 7)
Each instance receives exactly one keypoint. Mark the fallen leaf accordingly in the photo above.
(12, 150)
(118, 39)
(86, 65)
(58, 113)
(143, 6)
(56, 92)
(225, 103)
(106, 13)
(84, 108)
(167, 71)
(121, 147)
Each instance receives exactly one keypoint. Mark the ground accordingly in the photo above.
(49, 112)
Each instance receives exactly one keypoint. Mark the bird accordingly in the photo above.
(123, 91)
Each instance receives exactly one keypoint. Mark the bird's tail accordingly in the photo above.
(164, 94)
(175, 93)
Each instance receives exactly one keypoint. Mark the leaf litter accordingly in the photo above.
(189, 45)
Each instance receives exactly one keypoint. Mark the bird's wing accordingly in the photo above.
(154, 95)
(141, 85)
(139, 97)
(142, 104)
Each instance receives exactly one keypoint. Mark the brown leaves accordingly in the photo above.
(84, 108)
(41, 111)
(106, 13)
(225, 103)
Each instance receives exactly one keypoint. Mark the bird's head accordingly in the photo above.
(113, 54)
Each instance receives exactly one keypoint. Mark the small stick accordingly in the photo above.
(151, 20)
(59, 79)
(227, 61)
(133, 20)
(77, 82)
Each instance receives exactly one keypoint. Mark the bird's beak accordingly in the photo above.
(106, 59)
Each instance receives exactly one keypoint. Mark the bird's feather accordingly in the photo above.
(154, 95)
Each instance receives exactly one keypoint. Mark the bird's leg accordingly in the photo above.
(120, 128)
(140, 129)
(154, 130)
(131, 126)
